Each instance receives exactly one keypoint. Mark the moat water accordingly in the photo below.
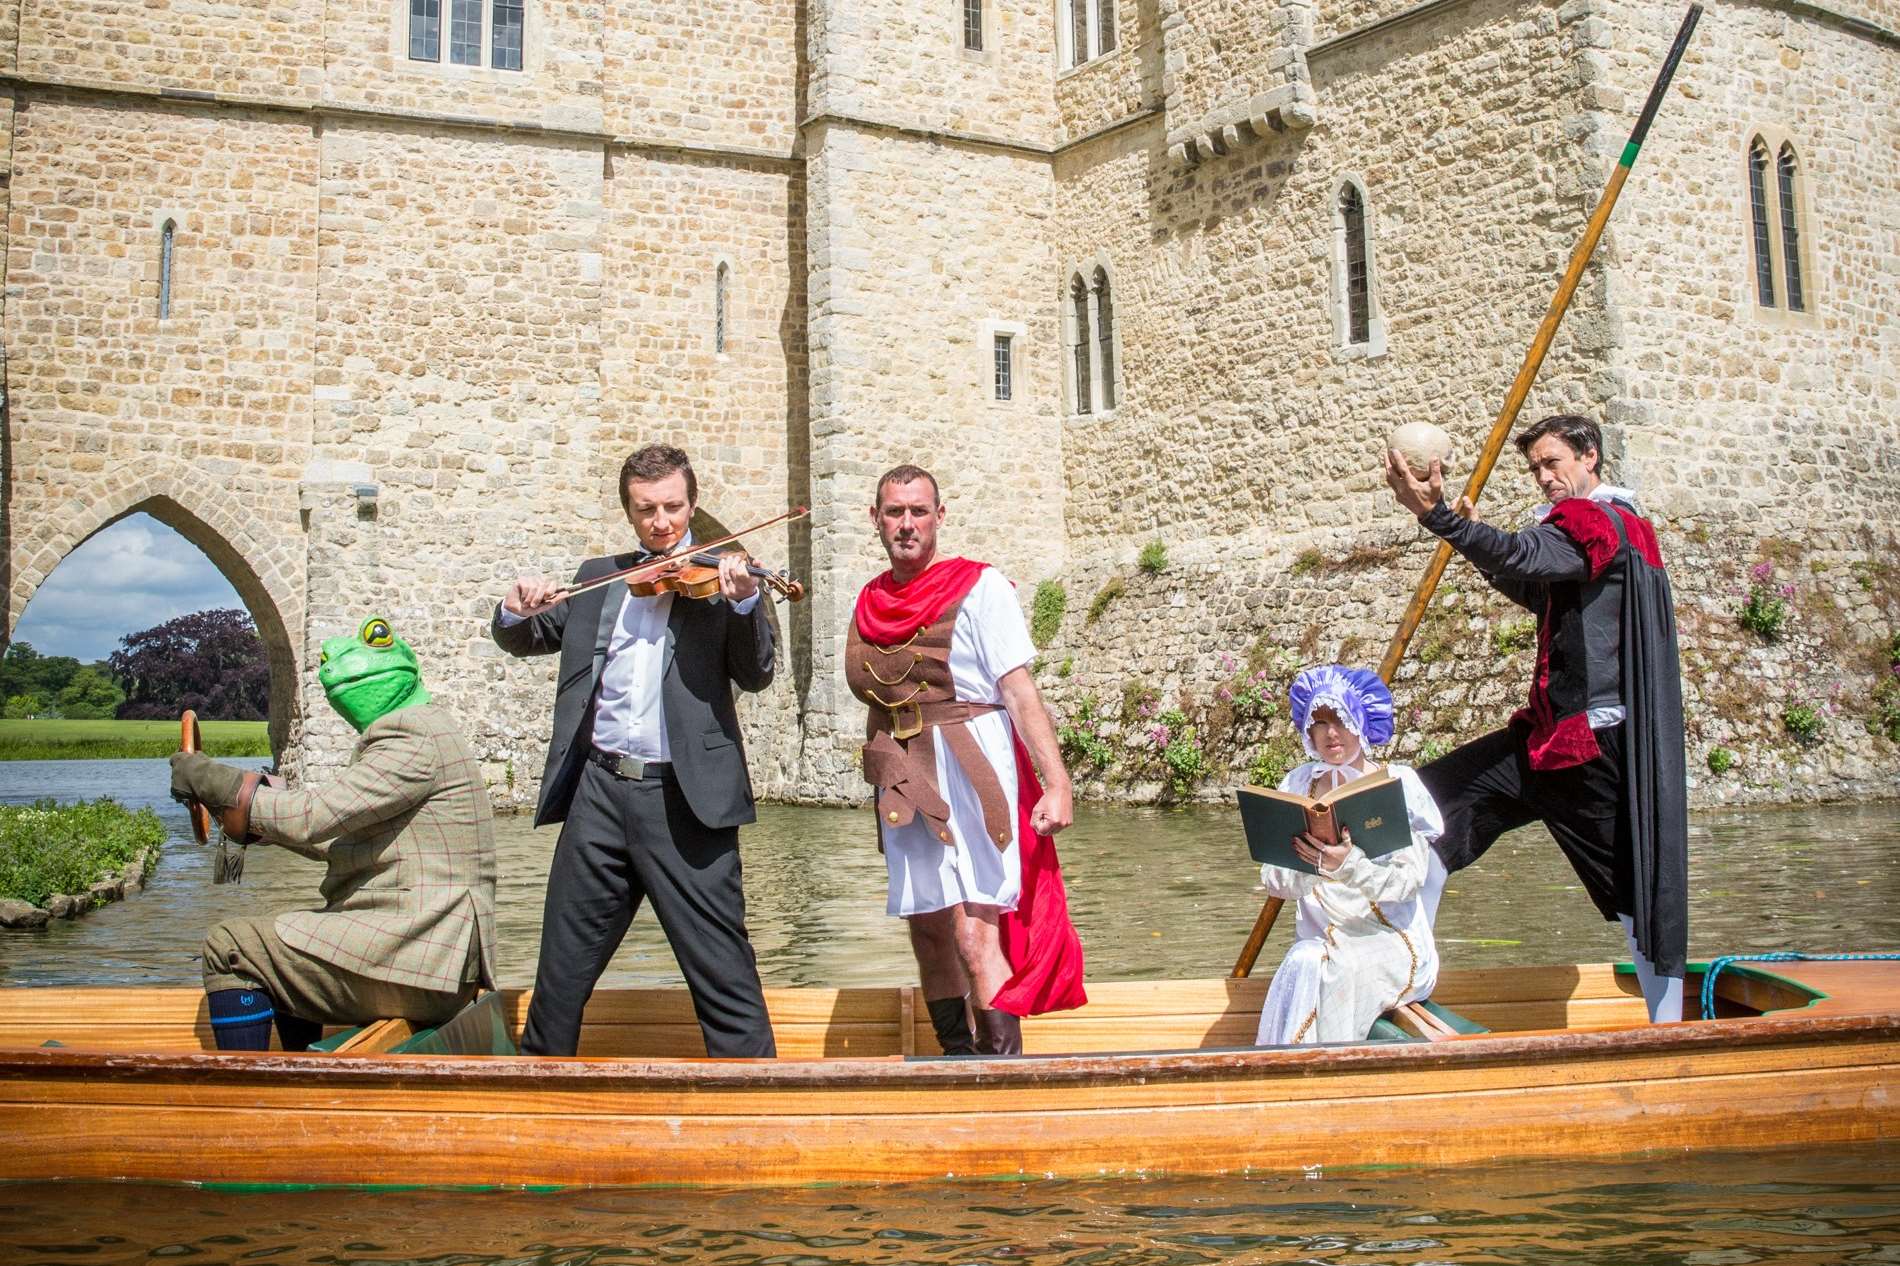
(1155, 894)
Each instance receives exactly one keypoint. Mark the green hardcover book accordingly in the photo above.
(1371, 809)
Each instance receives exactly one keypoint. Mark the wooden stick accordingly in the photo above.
(1507, 416)
(1534, 358)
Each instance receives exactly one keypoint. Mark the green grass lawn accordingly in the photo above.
(123, 740)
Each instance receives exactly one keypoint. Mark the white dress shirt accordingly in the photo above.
(629, 717)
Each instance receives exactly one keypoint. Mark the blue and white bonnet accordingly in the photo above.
(1356, 695)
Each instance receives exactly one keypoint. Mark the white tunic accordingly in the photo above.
(990, 639)
(1363, 943)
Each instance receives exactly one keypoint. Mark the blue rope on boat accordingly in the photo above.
(1717, 967)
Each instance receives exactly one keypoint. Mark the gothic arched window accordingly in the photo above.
(1105, 337)
(165, 236)
(1787, 174)
(1358, 283)
(1758, 213)
(1079, 340)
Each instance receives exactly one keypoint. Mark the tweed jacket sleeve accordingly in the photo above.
(389, 774)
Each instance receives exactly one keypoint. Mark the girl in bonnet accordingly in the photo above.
(1363, 944)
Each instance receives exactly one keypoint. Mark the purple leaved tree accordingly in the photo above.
(212, 662)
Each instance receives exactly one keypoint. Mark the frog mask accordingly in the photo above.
(370, 674)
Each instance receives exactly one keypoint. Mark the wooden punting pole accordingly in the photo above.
(1507, 416)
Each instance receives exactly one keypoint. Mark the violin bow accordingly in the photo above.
(1514, 400)
(656, 566)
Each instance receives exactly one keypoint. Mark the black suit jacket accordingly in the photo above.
(708, 651)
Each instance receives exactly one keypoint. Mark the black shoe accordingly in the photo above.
(952, 1022)
(998, 1033)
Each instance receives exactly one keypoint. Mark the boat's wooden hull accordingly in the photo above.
(1824, 1075)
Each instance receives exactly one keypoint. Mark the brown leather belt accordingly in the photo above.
(905, 774)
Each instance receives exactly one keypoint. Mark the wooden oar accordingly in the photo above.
(1520, 388)
(191, 740)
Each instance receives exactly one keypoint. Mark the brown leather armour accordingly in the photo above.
(910, 692)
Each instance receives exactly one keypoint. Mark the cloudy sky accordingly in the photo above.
(135, 574)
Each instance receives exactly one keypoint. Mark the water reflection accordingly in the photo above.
(1705, 1211)
(1155, 893)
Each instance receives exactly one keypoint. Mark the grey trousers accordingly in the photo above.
(629, 841)
(247, 954)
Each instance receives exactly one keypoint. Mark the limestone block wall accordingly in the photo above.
(560, 83)
(274, 50)
(721, 71)
(673, 221)
(459, 352)
(903, 62)
(906, 292)
(203, 413)
(1120, 83)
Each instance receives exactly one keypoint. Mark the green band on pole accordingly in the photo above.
(1629, 155)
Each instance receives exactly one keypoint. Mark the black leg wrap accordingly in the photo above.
(998, 1033)
(952, 1023)
(294, 1033)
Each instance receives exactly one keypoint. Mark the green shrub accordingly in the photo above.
(1083, 744)
(1045, 612)
(1271, 763)
(1803, 720)
(1181, 752)
(1431, 749)
(1765, 611)
(1514, 636)
(1721, 760)
(1893, 650)
(1886, 717)
(1068, 666)
(1309, 561)
(1110, 590)
(1138, 701)
(1154, 557)
(48, 848)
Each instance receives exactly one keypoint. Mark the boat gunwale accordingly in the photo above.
(728, 1075)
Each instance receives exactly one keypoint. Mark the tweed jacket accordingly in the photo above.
(409, 841)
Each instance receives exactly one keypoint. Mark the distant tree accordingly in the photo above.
(90, 696)
(210, 661)
(25, 707)
(24, 671)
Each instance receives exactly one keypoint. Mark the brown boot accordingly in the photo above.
(998, 1033)
(952, 1022)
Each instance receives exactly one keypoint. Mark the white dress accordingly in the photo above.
(989, 641)
(1363, 943)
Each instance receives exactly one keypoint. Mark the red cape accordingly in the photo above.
(1039, 941)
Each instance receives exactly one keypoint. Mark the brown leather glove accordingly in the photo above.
(196, 776)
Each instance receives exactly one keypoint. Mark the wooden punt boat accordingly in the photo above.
(1149, 1077)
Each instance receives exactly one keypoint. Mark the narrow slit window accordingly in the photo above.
(508, 22)
(1079, 313)
(1786, 173)
(719, 308)
(1758, 209)
(425, 30)
(465, 32)
(973, 25)
(1352, 213)
(1000, 353)
(1105, 337)
(165, 236)
(1078, 32)
(1105, 25)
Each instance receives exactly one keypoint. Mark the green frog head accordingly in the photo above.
(370, 674)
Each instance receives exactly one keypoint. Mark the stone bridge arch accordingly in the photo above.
(267, 575)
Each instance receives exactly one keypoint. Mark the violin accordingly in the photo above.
(694, 575)
(697, 576)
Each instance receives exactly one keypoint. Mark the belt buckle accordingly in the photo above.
(631, 767)
(905, 729)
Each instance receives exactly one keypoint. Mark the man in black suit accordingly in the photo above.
(647, 770)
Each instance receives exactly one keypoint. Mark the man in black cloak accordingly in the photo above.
(1597, 755)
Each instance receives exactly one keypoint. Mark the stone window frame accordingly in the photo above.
(1776, 141)
(1105, 393)
(991, 31)
(1091, 13)
(722, 265)
(1344, 348)
(167, 274)
(531, 44)
(1018, 334)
